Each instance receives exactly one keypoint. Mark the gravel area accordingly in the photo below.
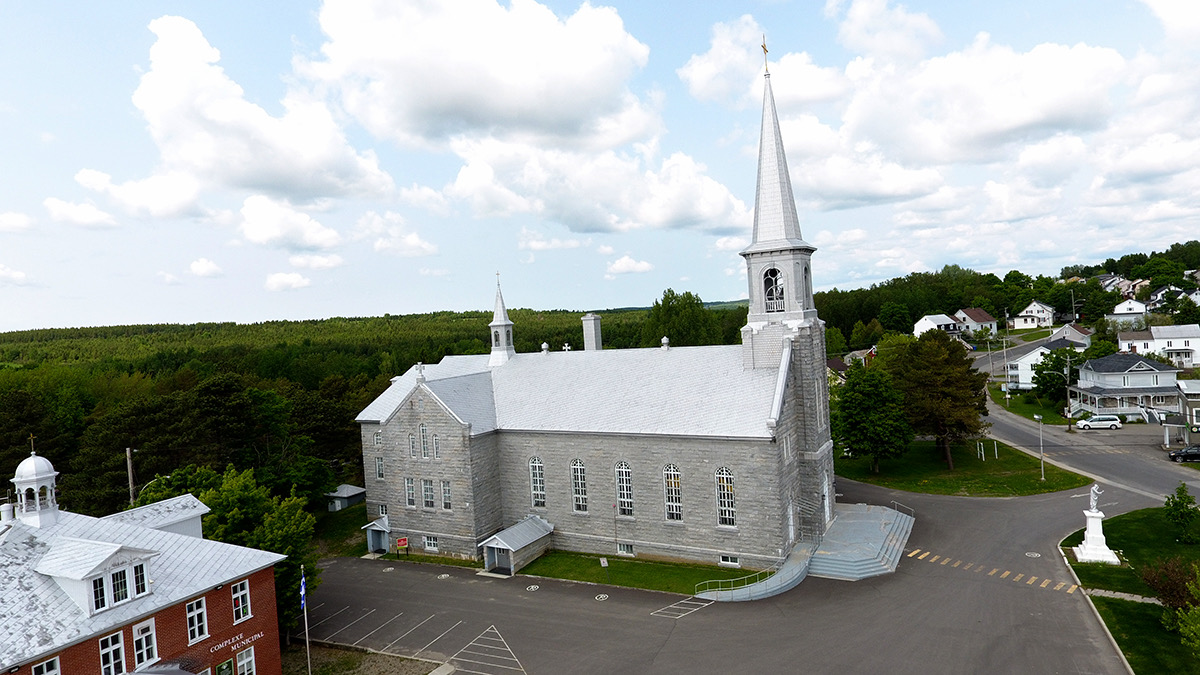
(331, 661)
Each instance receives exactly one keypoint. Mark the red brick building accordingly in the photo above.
(140, 590)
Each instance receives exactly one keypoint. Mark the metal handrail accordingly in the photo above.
(897, 506)
(740, 582)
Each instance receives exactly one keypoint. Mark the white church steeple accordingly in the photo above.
(501, 329)
(34, 481)
(778, 259)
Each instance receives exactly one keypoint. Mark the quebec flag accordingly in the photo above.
(301, 589)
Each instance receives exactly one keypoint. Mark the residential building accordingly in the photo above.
(1189, 393)
(137, 591)
(940, 322)
(975, 319)
(1074, 333)
(718, 454)
(1125, 384)
(1128, 312)
(1035, 315)
(1021, 369)
(1177, 343)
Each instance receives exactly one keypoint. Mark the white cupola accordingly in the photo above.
(34, 482)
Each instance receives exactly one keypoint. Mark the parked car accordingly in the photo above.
(1189, 454)
(1100, 421)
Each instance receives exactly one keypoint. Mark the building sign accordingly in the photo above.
(236, 643)
(402, 542)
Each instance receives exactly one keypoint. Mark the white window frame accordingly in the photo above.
(626, 550)
(383, 509)
(427, 500)
(579, 486)
(412, 446)
(378, 439)
(537, 483)
(140, 586)
(145, 643)
(624, 477)
(99, 594)
(430, 542)
(50, 667)
(424, 442)
(242, 610)
(119, 585)
(446, 501)
(197, 620)
(730, 561)
(437, 447)
(410, 493)
(245, 662)
(673, 493)
(726, 496)
(378, 468)
(112, 648)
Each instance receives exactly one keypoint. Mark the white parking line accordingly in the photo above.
(682, 608)
(377, 629)
(499, 655)
(436, 639)
(329, 617)
(406, 634)
(350, 624)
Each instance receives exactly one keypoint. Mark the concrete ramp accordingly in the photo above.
(864, 541)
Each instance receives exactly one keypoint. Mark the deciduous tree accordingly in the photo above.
(868, 418)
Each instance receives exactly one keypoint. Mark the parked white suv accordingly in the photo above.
(1100, 421)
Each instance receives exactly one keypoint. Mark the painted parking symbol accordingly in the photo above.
(443, 576)
(602, 597)
(532, 587)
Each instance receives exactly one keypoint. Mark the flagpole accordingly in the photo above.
(304, 606)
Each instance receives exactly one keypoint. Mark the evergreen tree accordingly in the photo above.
(835, 342)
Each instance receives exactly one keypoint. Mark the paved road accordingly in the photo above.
(981, 589)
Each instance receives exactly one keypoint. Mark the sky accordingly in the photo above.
(181, 162)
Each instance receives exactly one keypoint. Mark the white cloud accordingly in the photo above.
(286, 281)
(206, 129)
(316, 262)
(627, 265)
(604, 249)
(872, 27)
(535, 241)
(426, 272)
(392, 235)
(165, 194)
(425, 197)
(11, 221)
(1180, 20)
(1054, 160)
(203, 267)
(427, 71)
(168, 278)
(266, 221)
(87, 214)
(10, 276)
(734, 244)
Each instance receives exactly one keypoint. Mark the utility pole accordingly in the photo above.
(129, 470)
(1004, 343)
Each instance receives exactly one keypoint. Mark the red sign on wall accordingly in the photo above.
(402, 542)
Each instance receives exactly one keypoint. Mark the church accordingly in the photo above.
(717, 454)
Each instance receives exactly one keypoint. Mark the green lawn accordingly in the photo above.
(339, 533)
(921, 469)
(1050, 412)
(656, 576)
(1138, 630)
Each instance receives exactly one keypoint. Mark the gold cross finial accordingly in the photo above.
(766, 65)
(31, 437)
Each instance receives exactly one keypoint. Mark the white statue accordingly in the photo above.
(1096, 492)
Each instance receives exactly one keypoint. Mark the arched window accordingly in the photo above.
(412, 446)
(579, 485)
(773, 289)
(807, 285)
(437, 448)
(496, 338)
(726, 514)
(537, 482)
(673, 492)
(624, 489)
(424, 442)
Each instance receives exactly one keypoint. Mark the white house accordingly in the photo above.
(1178, 343)
(1036, 315)
(1075, 333)
(938, 321)
(1020, 369)
(975, 319)
(1125, 384)
(1128, 312)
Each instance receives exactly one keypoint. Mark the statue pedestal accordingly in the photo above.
(1093, 548)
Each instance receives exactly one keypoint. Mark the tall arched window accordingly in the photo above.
(412, 445)
(424, 442)
(773, 289)
(726, 514)
(437, 448)
(673, 492)
(495, 338)
(624, 489)
(537, 482)
(579, 485)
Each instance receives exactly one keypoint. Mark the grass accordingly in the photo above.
(422, 559)
(921, 469)
(339, 533)
(655, 576)
(1142, 537)
(1017, 405)
(1138, 630)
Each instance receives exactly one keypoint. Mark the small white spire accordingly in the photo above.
(501, 329)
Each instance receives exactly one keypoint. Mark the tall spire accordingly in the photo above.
(775, 219)
(501, 328)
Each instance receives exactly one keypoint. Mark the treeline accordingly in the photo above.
(279, 397)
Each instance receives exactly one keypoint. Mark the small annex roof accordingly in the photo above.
(684, 391)
(346, 491)
(163, 513)
(514, 538)
(380, 524)
(1189, 330)
(1122, 362)
(1135, 335)
(977, 314)
(938, 319)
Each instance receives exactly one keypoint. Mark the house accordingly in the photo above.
(1128, 312)
(1109, 282)
(1177, 343)
(140, 590)
(1074, 333)
(1125, 384)
(1035, 315)
(716, 454)
(938, 322)
(1160, 295)
(975, 319)
(1020, 369)
(1189, 398)
(345, 496)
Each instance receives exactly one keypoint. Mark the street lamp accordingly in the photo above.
(1041, 448)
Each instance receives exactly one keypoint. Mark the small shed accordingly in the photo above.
(515, 547)
(378, 535)
(345, 495)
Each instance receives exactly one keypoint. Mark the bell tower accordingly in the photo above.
(501, 329)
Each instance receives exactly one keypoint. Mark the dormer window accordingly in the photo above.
(773, 290)
(113, 587)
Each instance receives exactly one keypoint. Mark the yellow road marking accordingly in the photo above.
(915, 551)
(1060, 585)
(994, 570)
(935, 558)
(1072, 588)
(957, 564)
(1006, 573)
(923, 555)
(945, 560)
(1018, 577)
(1031, 580)
(968, 566)
(1045, 584)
